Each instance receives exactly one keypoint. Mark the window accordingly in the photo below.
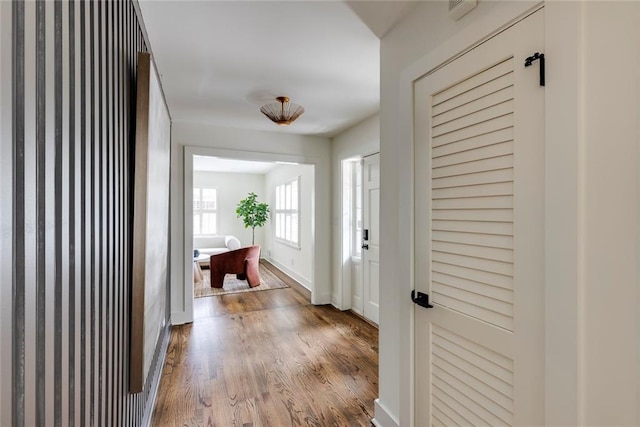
(356, 208)
(287, 212)
(205, 211)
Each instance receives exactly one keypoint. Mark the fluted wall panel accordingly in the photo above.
(68, 127)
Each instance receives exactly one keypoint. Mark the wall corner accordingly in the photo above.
(382, 416)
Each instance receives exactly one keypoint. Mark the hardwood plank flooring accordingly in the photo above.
(269, 358)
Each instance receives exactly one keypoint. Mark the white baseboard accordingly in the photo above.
(180, 318)
(295, 276)
(382, 416)
(334, 301)
(318, 298)
(154, 377)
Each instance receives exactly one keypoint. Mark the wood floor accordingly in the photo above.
(269, 358)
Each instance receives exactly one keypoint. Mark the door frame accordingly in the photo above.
(344, 287)
(185, 286)
(563, 159)
(522, 338)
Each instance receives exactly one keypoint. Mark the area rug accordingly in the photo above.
(231, 285)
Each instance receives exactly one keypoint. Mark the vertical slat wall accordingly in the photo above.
(73, 70)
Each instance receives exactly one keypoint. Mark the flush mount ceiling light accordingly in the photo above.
(282, 112)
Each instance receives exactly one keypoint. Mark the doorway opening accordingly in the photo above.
(360, 230)
(225, 177)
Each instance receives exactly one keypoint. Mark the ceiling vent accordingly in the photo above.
(458, 8)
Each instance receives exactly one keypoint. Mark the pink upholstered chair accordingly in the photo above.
(242, 262)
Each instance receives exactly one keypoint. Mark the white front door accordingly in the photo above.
(371, 236)
(479, 235)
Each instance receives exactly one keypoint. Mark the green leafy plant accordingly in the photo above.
(253, 214)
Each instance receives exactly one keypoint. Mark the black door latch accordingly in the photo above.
(529, 61)
(421, 299)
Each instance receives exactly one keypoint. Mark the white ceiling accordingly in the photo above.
(220, 61)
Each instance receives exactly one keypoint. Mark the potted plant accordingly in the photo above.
(253, 214)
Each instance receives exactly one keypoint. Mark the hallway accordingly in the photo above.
(269, 358)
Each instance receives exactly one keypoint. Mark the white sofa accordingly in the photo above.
(215, 245)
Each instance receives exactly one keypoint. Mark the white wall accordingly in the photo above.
(247, 145)
(298, 263)
(357, 141)
(231, 188)
(592, 300)
(610, 308)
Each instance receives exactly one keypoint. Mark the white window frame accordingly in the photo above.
(356, 208)
(285, 231)
(201, 209)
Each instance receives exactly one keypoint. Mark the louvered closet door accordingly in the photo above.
(479, 235)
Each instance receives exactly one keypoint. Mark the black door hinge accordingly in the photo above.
(421, 299)
(529, 61)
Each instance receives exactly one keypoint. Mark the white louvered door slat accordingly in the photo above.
(480, 165)
(476, 294)
(467, 156)
(491, 290)
(484, 140)
(478, 104)
(480, 78)
(493, 279)
(475, 251)
(479, 182)
(481, 227)
(492, 125)
(478, 190)
(503, 175)
(495, 388)
(487, 202)
(475, 214)
(473, 118)
(491, 241)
